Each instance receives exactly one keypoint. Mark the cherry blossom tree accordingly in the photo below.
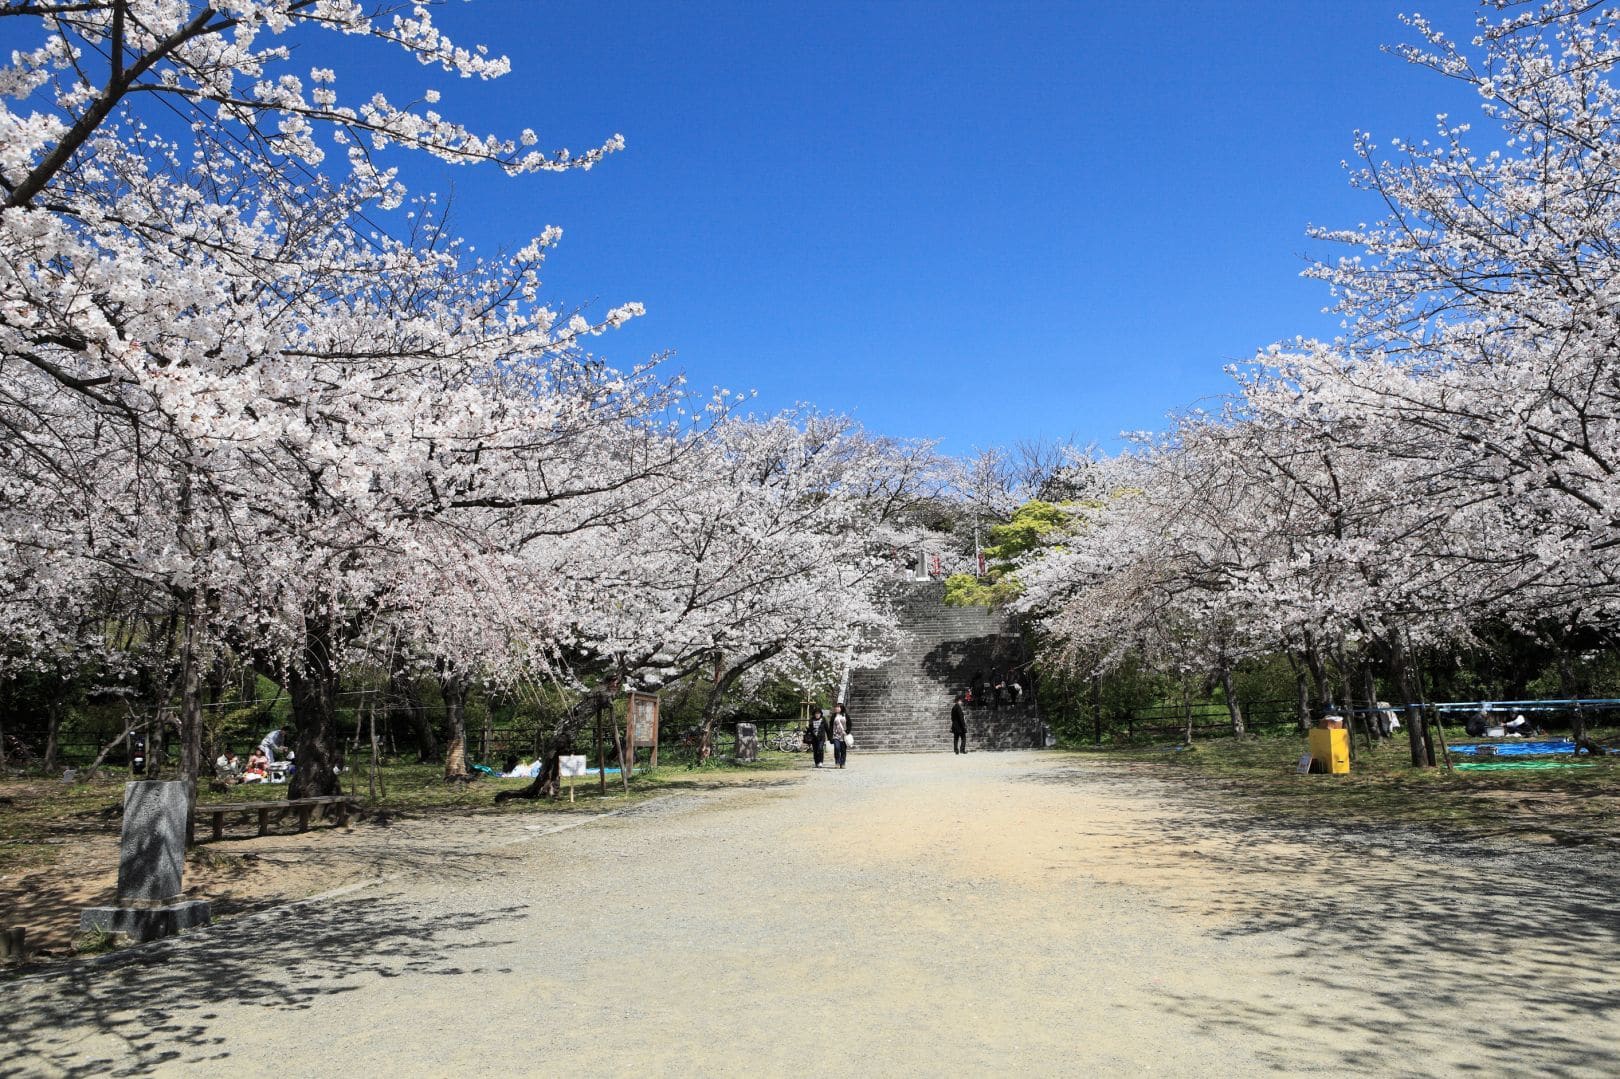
(767, 558)
(1449, 460)
(260, 410)
(1480, 316)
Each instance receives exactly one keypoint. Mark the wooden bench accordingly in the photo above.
(344, 804)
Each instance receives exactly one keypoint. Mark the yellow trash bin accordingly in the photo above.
(1331, 750)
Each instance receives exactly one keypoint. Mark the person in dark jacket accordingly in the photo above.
(815, 734)
(958, 726)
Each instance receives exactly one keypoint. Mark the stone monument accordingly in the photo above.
(747, 742)
(151, 857)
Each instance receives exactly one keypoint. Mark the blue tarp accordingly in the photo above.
(1519, 749)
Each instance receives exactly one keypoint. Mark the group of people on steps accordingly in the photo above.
(821, 731)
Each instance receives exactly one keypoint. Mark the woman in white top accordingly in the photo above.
(840, 734)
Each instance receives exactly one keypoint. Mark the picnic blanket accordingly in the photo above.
(1525, 766)
(1543, 748)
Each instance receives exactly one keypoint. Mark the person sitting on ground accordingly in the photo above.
(257, 769)
(1518, 727)
(227, 771)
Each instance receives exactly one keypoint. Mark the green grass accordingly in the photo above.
(1257, 775)
(94, 942)
(39, 817)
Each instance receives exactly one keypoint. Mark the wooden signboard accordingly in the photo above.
(642, 722)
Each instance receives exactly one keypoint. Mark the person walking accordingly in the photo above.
(958, 726)
(840, 734)
(815, 734)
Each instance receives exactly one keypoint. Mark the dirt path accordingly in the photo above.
(910, 915)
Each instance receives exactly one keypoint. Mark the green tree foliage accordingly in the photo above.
(1031, 526)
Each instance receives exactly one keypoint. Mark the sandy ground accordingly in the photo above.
(243, 872)
(931, 915)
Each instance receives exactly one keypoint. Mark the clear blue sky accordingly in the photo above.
(973, 221)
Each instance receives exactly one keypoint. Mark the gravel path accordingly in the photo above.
(934, 915)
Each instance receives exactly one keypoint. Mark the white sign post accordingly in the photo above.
(571, 767)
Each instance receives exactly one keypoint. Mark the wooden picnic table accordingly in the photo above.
(343, 804)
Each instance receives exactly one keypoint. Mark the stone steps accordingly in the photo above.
(905, 705)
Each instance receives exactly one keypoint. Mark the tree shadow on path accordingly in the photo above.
(160, 1003)
(1501, 952)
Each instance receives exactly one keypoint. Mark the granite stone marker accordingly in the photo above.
(747, 742)
(151, 858)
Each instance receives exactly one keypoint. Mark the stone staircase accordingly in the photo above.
(905, 705)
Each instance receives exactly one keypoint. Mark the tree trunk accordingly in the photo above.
(546, 783)
(1572, 692)
(1341, 667)
(1186, 708)
(711, 708)
(453, 687)
(405, 698)
(1369, 686)
(1319, 676)
(53, 733)
(1096, 708)
(216, 686)
(1302, 688)
(1232, 708)
(724, 679)
(626, 762)
(375, 784)
(1415, 719)
(192, 659)
(313, 688)
(601, 754)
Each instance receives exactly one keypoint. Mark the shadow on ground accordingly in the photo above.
(698, 782)
(134, 1013)
(1508, 947)
(239, 874)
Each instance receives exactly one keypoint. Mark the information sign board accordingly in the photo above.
(643, 720)
(641, 723)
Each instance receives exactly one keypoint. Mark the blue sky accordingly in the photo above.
(977, 222)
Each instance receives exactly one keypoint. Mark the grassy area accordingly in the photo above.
(1257, 775)
(39, 817)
